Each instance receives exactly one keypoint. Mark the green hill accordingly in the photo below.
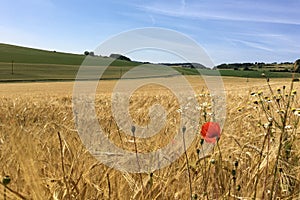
(9, 53)
(28, 64)
(18, 54)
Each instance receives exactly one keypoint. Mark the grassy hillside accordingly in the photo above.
(28, 55)
(28, 64)
(9, 53)
(34, 64)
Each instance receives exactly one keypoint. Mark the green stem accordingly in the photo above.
(187, 163)
(284, 121)
(258, 166)
(4, 194)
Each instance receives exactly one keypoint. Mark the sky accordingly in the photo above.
(228, 30)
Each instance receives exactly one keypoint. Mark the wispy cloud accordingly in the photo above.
(183, 4)
(229, 10)
(39, 3)
(229, 30)
(152, 19)
(255, 45)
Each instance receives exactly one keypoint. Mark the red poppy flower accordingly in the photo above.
(211, 131)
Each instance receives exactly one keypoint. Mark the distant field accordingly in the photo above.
(51, 72)
(27, 64)
(17, 54)
(238, 73)
(21, 63)
(60, 72)
(231, 84)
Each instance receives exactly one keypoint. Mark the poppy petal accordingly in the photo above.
(211, 131)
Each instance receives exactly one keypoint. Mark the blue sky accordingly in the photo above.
(229, 30)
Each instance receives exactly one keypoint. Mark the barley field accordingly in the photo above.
(256, 157)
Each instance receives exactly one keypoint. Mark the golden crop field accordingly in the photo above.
(256, 157)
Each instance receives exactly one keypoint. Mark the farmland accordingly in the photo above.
(19, 64)
(45, 158)
(27, 64)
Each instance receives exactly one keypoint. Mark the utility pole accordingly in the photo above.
(121, 72)
(12, 67)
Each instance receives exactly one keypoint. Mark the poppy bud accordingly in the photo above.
(183, 129)
(233, 172)
(236, 163)
(6, 180)
(201, 141)
(133, 129)
(195, 196)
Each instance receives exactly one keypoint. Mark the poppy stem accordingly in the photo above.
(4, 193)
(187, 162)
(65, 178)
(221, 167)
(137, 157)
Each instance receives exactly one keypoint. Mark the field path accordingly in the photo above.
(42, 89)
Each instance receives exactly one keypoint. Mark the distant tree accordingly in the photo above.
(247, 68)
(86, 53)
(297, 63)
(92, 53)
(119, 56)
(222, 66)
